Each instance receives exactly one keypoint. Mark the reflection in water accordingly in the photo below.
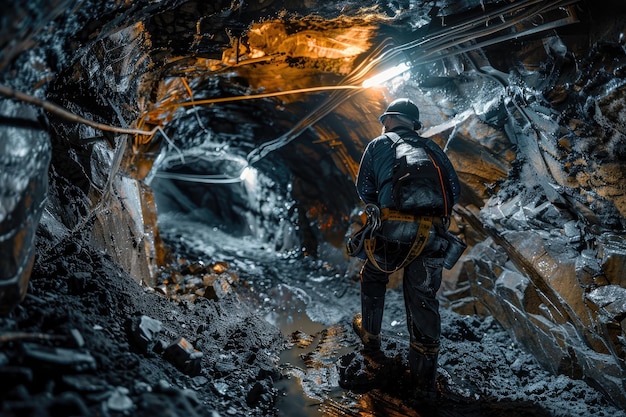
(290, 292)
(293, 400)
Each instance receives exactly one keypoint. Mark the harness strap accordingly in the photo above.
(416, 248)
(389, 214)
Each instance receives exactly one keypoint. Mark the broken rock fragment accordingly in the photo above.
(184, 356)
(219, 288)
(119, 400)
(58, 358)
(144, 333)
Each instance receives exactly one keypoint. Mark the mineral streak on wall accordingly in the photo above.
(24, 159)
(118, 211)
(126, 228)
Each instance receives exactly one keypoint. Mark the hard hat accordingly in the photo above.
(402, 107)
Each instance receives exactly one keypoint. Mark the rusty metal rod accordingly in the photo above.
(66, 114)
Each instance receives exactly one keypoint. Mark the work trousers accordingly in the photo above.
(421, 281)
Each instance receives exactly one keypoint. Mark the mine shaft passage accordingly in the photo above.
(190, 166)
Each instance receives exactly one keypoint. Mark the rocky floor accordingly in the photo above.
(88, 341)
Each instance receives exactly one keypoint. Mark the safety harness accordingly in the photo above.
(365, 238)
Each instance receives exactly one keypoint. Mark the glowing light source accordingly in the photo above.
(248, 176)
(246, 173)
(386, 75)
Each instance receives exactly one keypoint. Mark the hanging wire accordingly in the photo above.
(428, 50)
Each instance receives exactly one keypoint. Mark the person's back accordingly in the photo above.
(414, 241)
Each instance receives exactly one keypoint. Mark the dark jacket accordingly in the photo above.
(376, 170)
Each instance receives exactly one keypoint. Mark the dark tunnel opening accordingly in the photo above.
(208, 172)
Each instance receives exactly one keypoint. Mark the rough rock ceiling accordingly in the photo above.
(526, 96)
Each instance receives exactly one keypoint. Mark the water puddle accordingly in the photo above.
(292, 400)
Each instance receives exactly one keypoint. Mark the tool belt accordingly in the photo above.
(364, 239)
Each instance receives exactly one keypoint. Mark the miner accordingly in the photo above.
(409, 186)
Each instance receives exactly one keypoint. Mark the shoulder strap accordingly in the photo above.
(394, 137)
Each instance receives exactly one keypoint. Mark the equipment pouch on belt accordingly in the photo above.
(455, 249)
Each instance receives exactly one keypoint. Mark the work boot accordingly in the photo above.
(371, 342)
(367, 325)
(423, 368)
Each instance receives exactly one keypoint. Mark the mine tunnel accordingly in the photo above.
(178, 185)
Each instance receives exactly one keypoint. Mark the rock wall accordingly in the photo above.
(24, 158)
(549, 253)
(107, 169)
(531, 282)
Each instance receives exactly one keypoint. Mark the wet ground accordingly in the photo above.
(89, 341)
(312, 302)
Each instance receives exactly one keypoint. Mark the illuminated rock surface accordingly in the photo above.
(171, 268)
(24, 159)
